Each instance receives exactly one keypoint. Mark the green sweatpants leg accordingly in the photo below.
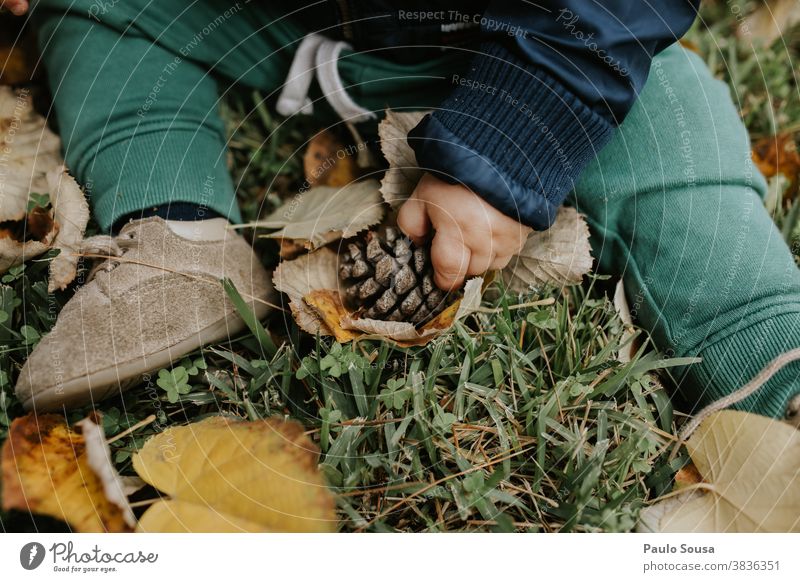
(675, 207)
(137, 83)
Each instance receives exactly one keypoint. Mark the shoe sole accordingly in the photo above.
(118, 379)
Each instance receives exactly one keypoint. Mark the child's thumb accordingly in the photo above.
(413, 219)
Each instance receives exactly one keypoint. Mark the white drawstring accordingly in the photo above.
(319, 55)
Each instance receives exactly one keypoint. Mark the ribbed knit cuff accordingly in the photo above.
(159, 168)
(512, 134)
(732, 361)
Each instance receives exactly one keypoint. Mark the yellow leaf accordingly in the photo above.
(176, 516)
(47, 469)
(227, 475)
(299, 277)
(751, 479)
(327, 304)
(328, 162)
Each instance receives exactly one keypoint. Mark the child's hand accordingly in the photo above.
(16, 7)
(471, 237)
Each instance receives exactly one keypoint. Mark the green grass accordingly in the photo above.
(523, 418)
(763, 83)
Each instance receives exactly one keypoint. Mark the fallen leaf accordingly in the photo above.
(98, 456)
(30, 151)
(769, 21)
(750, 479)
(778, 155)
(299, 277)
(327, 304)
(72, 215)
(290, 249)
(560, 255)
(403, 174)
(323, 214)
(327, 161)
(651, 519)
(13, 66)
(33, 165)
(628, 344)
(52, 470)
(690, 45)
(223, 474)
(14, 252)
(687, 476)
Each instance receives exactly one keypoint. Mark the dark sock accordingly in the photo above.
(182, 211)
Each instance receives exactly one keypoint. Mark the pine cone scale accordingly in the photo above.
(386, 277)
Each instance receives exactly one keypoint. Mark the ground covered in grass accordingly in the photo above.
(524, 418)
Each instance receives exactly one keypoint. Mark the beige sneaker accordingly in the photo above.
(161, 299)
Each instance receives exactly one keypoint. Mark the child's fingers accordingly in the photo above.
(451, 259)
(500, 262)
(480, 263)
(16, 7)
(413, 219)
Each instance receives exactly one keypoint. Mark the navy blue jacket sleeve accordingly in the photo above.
(543, 95)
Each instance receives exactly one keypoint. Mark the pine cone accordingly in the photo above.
(386, 277)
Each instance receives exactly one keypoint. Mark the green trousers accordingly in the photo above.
(674, 202)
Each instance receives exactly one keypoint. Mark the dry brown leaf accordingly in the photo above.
(690, 45)
(72, 215)
(13, 252)
(299, 277)
(328, 163)
(32, 164)
(13, 66)
(290, 249)
(778, 155)
(769, 21)
(327, 305)
(405, 334)
(750, 479)
(323, 214)
(558, 256)
(223, 474)
(687, 476)
(52, 470)
(403, 174)
(30, 151)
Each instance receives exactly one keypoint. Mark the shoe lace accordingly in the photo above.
(105, 251)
